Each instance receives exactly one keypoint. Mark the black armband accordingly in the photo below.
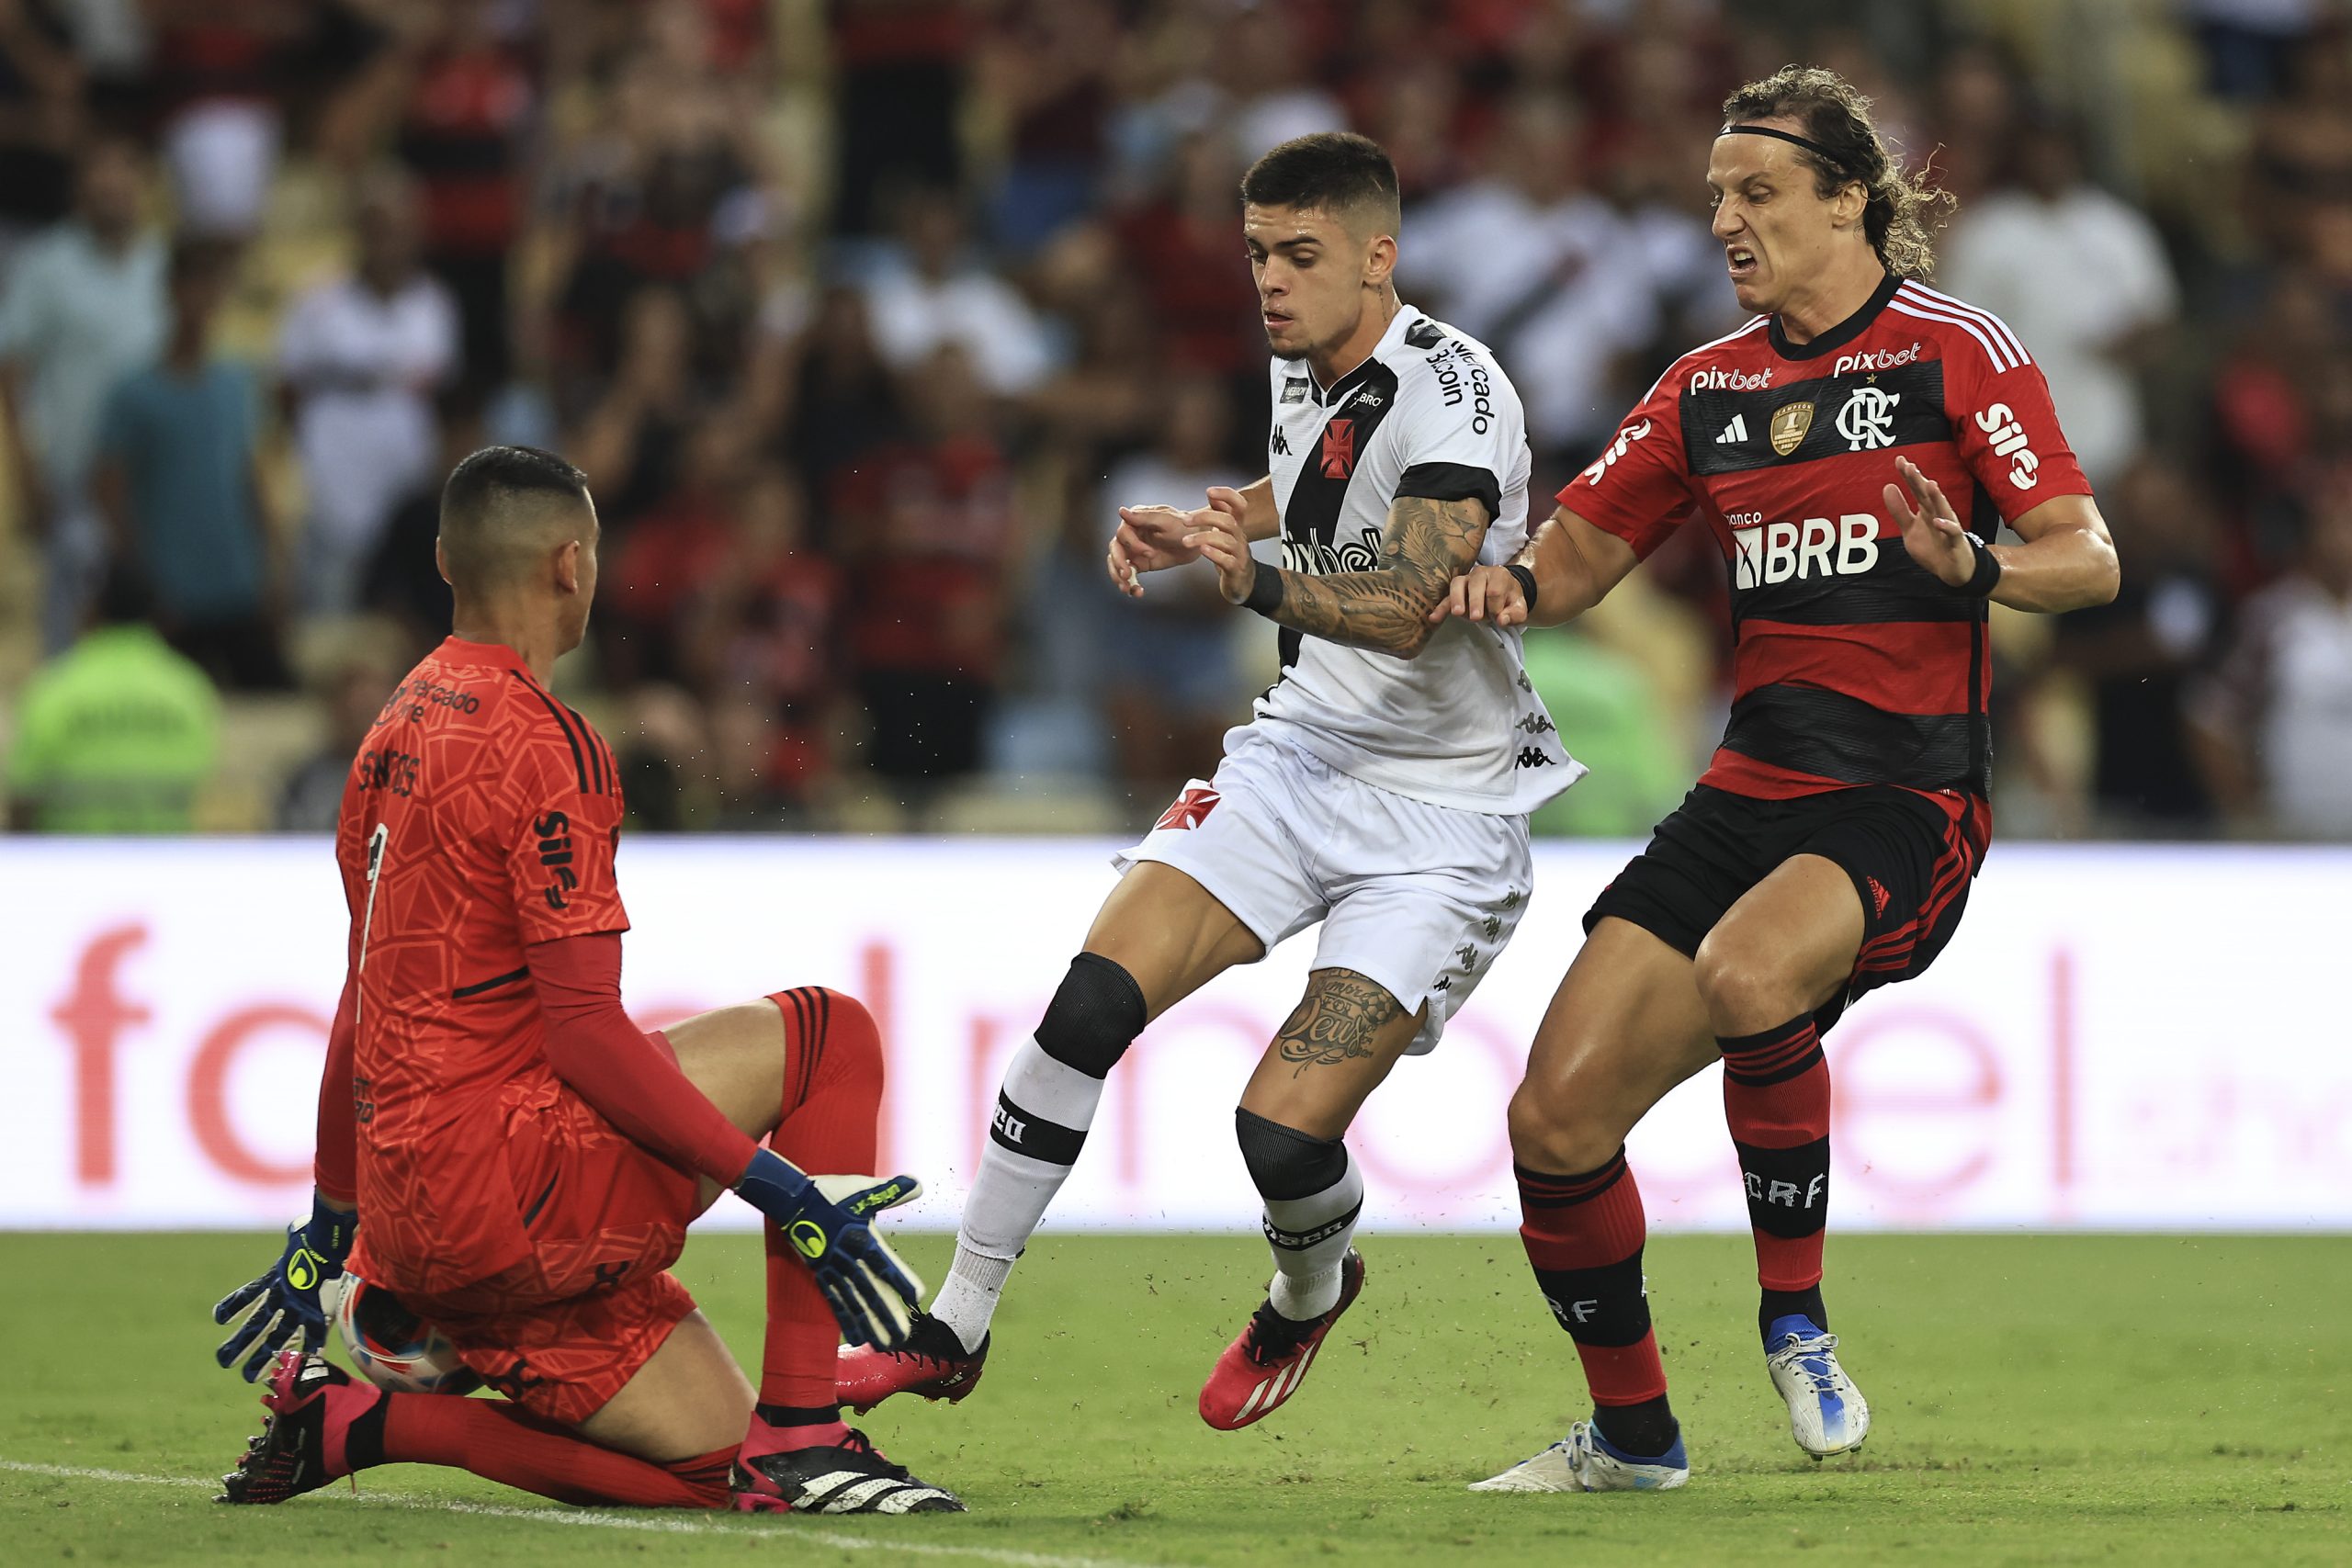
(1265, 594)
(1526, 582)
(1982, 580)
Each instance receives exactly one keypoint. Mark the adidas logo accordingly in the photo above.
(1734, 432)
(1878, 893)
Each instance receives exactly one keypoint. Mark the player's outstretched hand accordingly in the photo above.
(1149, 539)
(825, 1218)
(1219, 538)
(285, 1300)
(1931, 531)
(1483, 593)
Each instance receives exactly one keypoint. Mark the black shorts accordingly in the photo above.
(1910, 860)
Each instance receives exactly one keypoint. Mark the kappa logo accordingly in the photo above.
(1866, 422)
(1529, 757)
(1339, 448)
(1191, 808)
(1280, 448)
(1734, 432)
(1789, 421)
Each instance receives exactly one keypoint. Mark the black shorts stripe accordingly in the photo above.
(479, 987)
(555, 712)
(804, 1066)
(541, 1200)
(1832, 735)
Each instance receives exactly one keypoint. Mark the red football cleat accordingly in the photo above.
(932, 1363)
(292, 1455)
(1264, 1367)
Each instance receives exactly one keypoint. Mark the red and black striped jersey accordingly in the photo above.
(1853, 664)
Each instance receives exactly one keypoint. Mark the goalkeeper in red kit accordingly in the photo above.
(514, 1161)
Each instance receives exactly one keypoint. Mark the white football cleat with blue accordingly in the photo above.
(1584, 1461)
(1826, 1413)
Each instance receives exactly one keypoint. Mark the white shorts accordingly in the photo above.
(1417, 897)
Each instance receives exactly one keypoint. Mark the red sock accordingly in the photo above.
(833, 1106)
(503, 1443)
(1776, 1099)
(1584, 1234)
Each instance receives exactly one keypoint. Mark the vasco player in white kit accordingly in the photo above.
(1382, 789)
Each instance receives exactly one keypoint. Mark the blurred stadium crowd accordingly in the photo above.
(862, 316)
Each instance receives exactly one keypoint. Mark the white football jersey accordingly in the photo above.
(1430, 414)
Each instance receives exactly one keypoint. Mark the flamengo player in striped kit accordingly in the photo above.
(1829, 847)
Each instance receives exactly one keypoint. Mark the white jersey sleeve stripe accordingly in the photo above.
(1999, 328)
(1993, 352)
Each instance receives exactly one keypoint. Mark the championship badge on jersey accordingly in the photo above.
(1789, 421)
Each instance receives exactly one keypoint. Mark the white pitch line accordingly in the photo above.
(688, 1525)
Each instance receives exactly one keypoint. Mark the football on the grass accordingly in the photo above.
(394, 1347)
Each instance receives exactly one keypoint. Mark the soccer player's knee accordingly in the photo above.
(853, 1042)
(1283, 1162)
(1552, 1130)
(1739, 987)
(1093, 1017)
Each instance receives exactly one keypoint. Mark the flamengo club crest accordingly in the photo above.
(1789, 421)
(1867, 421)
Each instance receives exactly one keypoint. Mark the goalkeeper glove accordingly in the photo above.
(824, 1218)
(287, 1296)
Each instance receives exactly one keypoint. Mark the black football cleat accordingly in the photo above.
(852, 1478)
(289, 1457)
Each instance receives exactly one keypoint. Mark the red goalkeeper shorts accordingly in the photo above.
(563, 1331)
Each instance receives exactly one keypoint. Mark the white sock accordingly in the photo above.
(1043, 1113)
(1309, 1235)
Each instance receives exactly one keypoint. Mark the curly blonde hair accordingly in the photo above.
(1903, 210)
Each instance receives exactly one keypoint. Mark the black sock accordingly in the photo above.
(1790, 1303)
(1644, 1430)
(363, 1441)
(796, 1414)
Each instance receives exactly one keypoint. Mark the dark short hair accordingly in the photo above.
(491, 499)
(1331, 171)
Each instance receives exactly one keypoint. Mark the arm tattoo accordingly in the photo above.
(1428, 543)
(1336, 1022)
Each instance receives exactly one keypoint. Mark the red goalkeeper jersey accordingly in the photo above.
(481, 818)
(1854, 665)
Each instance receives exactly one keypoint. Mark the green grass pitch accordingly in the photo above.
(2038, 1400)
